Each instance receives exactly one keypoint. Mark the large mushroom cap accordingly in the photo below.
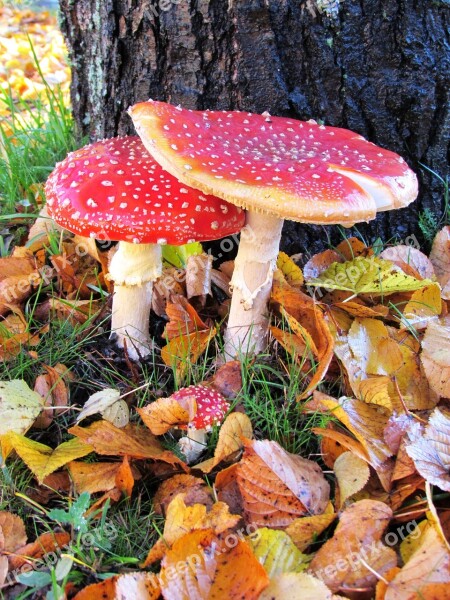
(211, 406)
(114, 189)
(292, 169)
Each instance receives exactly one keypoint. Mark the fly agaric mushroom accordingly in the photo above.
(211, 408)
(277, 168)
(114, 190)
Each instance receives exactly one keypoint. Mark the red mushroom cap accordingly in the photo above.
(211, 405)
(292, 169)
(114, 189)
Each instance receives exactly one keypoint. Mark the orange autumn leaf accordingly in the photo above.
(184, 350)
(54, 391)
(130, 586)
(181, 519)
(165, 413)
(183, 318)
(96, 477)
(211, 570)
(352, 247)
(12, 532)
(277, 487)
(45, 543)
(124, 479)
(341, 561)
(320, 262)
(131, 440)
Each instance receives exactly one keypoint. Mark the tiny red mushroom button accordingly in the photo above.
(211, 405)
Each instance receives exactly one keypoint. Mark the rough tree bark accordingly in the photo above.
(378, 67)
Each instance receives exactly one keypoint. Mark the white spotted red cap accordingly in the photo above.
(211, 405)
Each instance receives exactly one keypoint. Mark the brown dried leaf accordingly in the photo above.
(198, 275)
(216, 571)
(13, 534)
(435, 356)
(411, 260)
(320, 263)
(45, 543)
(278, 487)
(228, 379)
(183, 318)
(440, 258)
(227, 489)
(357, 539)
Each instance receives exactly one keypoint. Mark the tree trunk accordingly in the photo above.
(378, 67)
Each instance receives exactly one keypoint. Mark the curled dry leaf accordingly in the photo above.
(181, 519)
(235, 428)
(440, 258)
(183, 351)
(165, 413)
(341, 561)
(53, 390)
(130, 586)
(352, 474)
(278, 487)
(213, 570)
(198, 275)
(435, 356)
(183, 318)
(194, 490)
(276, 552)
(431, 451)
(426, 574)
(228, 379)
(410, 260)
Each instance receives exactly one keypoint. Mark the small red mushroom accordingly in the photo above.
(114, 190)
(277, 168)
(211, 408)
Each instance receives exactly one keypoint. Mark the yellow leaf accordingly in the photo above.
(292, 272)
(19, 406)
(276, 552)
(435, 356)
(368, 276)
(373, 349)
(424, 306)
(304, 531)
(296, 586)
(352, 474)
(43, 460)
(165, 413)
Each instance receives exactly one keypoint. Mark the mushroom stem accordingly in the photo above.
(248, 322)
(193, 444)
(134, 268)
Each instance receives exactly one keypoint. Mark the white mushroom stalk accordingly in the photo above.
(133, 269)
(255, 263)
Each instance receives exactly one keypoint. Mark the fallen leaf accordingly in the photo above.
(227, 380)
(440, 258)
(431, 451)
(194, 490)
(181, 519)
(352, 247)
(183, 351)
(435, 356)
(367, 276)
(227, 489)
(95, 477)
(235, 428)
(410, 260)
(107, 402)
(13, 534)
(305, 530)
(296, 586)
(424, 306)
(43, 460)
(427, 573)
(53, 390)
(124, 479)
(198, 276)
(352, 474)
(129, 586)
(19, 408)
(278, 487)
(165, 413)
(291, 271)
(183, 318)
(45, 543)
(212, 570)
(276, 552)
(131, 441)
(319, 263)
(357, 540)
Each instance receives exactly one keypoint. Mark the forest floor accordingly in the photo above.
(329, 477)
